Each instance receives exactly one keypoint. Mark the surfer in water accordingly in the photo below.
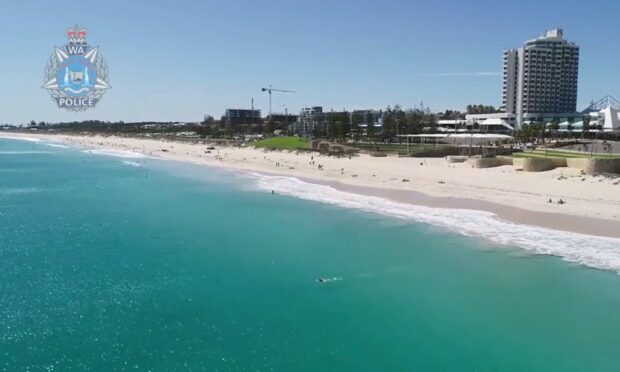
(327, 280)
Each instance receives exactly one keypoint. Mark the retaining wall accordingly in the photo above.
(489, 162)
(541, 165)
(595, 166)
(456, 159)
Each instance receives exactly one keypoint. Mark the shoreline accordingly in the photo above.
(553, 221)
(502, 202)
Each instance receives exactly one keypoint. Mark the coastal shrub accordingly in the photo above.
(378, 154)
(336, 149)
(437, 152)
(323, 147)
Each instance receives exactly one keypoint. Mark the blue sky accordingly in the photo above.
(178, 60)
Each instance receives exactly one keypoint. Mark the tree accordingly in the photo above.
(586, 125)
(432, 123)
(553, 127)
(451, 115)
(355, 127)
(339, 130)
(370, 131)
(208, 120)
(268, 128)
(203, 130)
(480, 109)
(570, 127)
(538, 130)
(391, 120)
(523, 133)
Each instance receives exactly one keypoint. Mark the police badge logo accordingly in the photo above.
(76, 75)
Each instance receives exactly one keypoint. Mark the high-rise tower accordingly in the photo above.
(541, 76)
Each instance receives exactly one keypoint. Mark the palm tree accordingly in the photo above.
(570, 127)
(586, 125)
(553, 127)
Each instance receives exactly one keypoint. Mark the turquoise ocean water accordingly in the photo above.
(128, 263)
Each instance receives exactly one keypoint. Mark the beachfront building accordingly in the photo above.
(541, 77)
(487, 123)
(367, 120)
(241, 116)
(310, 120)
(601, 116)
(453, 126)
(539, 82)
(313, 119)
(606, 120)
(492, 123)
(283, 118)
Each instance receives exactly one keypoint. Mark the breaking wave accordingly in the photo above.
(117, 153)
(57, 145)
(19, 190)
(21, 138)
(592, 251)
(132, 163)
(23, 152)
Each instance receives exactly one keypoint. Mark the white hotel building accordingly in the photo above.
(541, 76)
(539, 82)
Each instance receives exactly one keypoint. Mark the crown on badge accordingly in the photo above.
(76, 34)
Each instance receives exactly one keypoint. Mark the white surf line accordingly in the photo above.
(17, 138)
(116, 153)
(593, 251)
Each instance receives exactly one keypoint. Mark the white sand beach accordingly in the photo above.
(592, 203)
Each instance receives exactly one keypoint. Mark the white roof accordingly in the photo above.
(497, 121)
(450, 130)
(493, 121)
(487, 136)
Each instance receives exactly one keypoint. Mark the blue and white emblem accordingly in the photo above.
(76, 75)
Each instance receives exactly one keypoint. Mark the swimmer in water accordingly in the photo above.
(327, 280)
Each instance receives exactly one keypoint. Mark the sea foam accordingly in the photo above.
(117, 153)
(23, 152)
(132, 163)
(592, 251)
(57, 145)
(21, 138)
(19, 190)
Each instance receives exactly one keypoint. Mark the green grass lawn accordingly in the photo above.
(283, 143)
(561, 154)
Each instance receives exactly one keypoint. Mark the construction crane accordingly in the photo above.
(270, 90)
